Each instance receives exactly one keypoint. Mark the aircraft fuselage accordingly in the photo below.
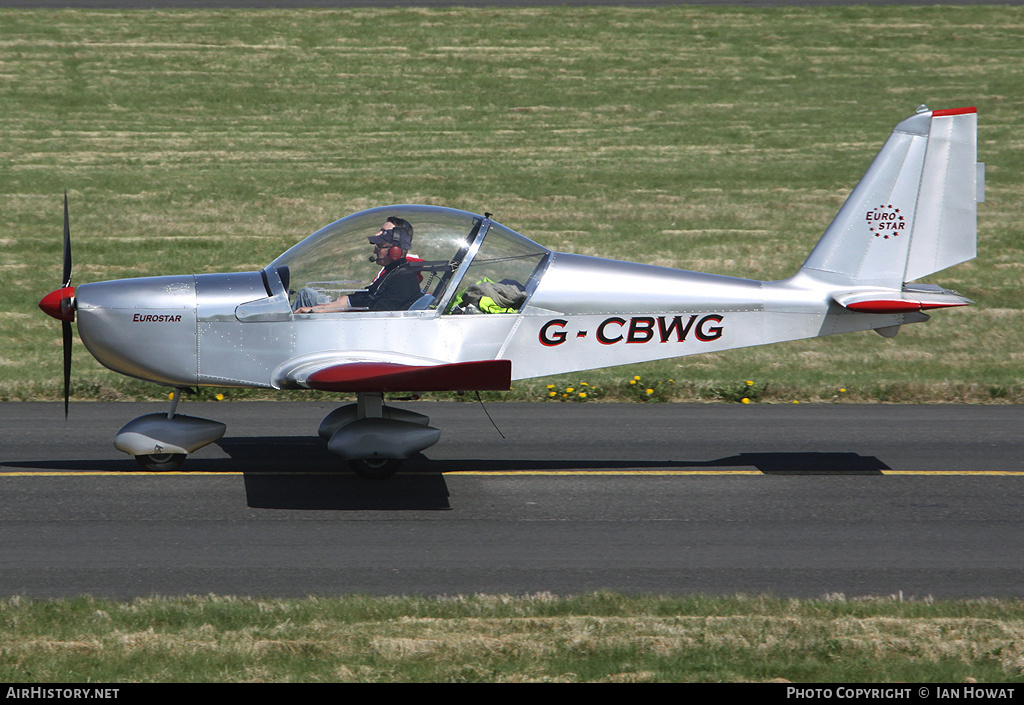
(237, 330)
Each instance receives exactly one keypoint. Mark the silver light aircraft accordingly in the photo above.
(492, 306)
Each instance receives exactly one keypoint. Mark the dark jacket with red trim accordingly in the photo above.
(396, 288)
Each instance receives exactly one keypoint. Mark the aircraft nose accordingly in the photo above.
(60, 304)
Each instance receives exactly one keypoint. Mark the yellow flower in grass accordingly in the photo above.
(745, 400)
(570, 390)
(750, 383)
(551, 386)
(552, 394)
(637, 378)
(632, 381)
(649, 391)
(582, 395)
(219, 397)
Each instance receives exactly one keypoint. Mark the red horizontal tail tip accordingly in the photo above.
(899, 305)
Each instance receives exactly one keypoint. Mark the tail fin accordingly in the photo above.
(915, 210)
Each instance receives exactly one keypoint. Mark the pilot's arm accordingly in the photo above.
(339, 304)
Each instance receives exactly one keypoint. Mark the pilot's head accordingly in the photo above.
(393, 241)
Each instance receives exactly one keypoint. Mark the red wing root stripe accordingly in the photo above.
(484, 375)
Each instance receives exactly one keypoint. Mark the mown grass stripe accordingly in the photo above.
(589, 637)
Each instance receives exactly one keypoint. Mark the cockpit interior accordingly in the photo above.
(466, 263)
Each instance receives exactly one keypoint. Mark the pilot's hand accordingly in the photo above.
(304, 309)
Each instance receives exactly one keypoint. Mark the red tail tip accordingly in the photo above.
(954, 111)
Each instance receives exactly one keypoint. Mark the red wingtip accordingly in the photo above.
(60, 304)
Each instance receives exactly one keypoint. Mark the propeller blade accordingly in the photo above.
(66, 306)
(66, 329)
(67, 245)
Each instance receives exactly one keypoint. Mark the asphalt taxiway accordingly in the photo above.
(800, 500)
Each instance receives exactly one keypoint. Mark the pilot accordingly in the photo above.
(397, 286)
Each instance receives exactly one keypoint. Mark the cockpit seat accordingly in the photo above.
(422, 303)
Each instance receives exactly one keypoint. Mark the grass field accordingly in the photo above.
(599, 637)
(715, 139)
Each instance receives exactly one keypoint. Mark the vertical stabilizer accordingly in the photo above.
(915, 210)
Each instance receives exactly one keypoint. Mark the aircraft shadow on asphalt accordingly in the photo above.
(298, 472)
(261, 455)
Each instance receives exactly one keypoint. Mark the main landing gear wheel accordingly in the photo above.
(158, 462)
(375, 468)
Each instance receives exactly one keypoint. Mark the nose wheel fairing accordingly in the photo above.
(157, 436)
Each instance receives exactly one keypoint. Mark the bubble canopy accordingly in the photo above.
(451, 249)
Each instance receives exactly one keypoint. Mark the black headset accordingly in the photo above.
(402, 227)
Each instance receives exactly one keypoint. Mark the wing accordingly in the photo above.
(482, 375)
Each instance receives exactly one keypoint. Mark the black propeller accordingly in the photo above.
(65, 323)
(61, 305)
(67, 245)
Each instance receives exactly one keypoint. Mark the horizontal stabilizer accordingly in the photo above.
(482, 375)
(912, 298)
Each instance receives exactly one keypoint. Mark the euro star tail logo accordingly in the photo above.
(885, 221)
